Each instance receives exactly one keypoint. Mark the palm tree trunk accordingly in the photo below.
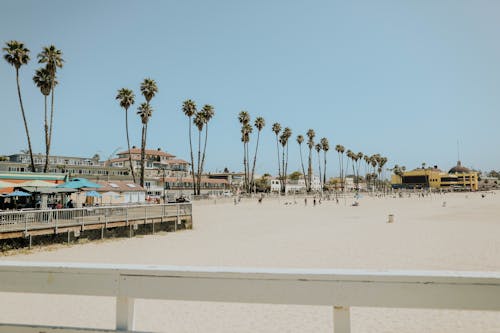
(198, 189)
(324, 169)
(203, 156)
(46, 130)
(25, 121)
(192, 157)
(283, 183)
(143, 153)
(249, 190)
(128, 145)
(286, 165)
(302, 164)
(319, 169)
(309, 171)
(255, 159)
(51, 116)
(278, 153)
(245, 165)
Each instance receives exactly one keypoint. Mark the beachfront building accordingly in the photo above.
(457, 178)
(295, 185)
(156, 161)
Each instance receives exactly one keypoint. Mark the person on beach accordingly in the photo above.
(70, 204)
(305, 201)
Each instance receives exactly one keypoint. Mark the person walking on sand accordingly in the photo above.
(305, 201)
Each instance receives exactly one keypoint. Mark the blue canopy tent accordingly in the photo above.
(93, 194)
(79, 183)
(18, 193)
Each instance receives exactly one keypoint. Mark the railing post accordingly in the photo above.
(341, 319)
(178, 218)
(124, 314)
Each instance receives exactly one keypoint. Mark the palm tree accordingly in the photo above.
(300, 139)
(148, 90)
(246, 130)
(126, 98)
(199, 122)
(43, 80)
(326, 147)
(145, 112)
(340, 150)
(318, 148)
(208, 113)
(349, 157)
(359, 157)
(259, 125)
(52, 57)
(277, 129)
(310, 143)
(189, 109)
(17, 55)
(287, 133)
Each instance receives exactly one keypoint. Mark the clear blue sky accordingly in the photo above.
(405, 79)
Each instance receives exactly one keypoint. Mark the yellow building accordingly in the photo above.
(458, 178)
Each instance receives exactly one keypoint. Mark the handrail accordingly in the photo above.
(338, 288)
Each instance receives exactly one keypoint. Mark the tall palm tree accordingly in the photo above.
(310, 143)
(43, 80)
(277, 129)
(208, 113)
(359, 158)
(17, 55)
(149, 89)
(340, 151)
(318, 149)
(325, 145)
(52, 58)
(145, 112)
(300, 139)
(126, 99)
(189, 109)
(287, 133)
(199, 122)
(259, 125)
(246, 130)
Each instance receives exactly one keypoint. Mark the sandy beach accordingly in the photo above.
(462, 235)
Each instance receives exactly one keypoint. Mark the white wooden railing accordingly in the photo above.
(339, 289)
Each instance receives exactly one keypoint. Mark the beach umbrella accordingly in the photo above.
(18, 194)
(36, 183)
(4, 184)
(78, 183)
(93, 194)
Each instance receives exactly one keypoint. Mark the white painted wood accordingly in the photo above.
(14, 328)
(341, 319)
(329, 287)
(124, 313)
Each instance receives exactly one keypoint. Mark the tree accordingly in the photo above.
(359, 158)
(189, 109)
(318, 148)
(300, 139)
(246, 130)
(277, 129)
(259, 125)
(199, 122)
(295, 175)
(326, 147)
(340, 151)
(126, 99)
(52, 57)
(287, 133)
(17, 55)
(43, 80)
(310, 143)
(208, 113)
(148, 90)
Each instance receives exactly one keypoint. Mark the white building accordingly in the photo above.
(296, 186)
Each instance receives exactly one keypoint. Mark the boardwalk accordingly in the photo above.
(18, 224)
